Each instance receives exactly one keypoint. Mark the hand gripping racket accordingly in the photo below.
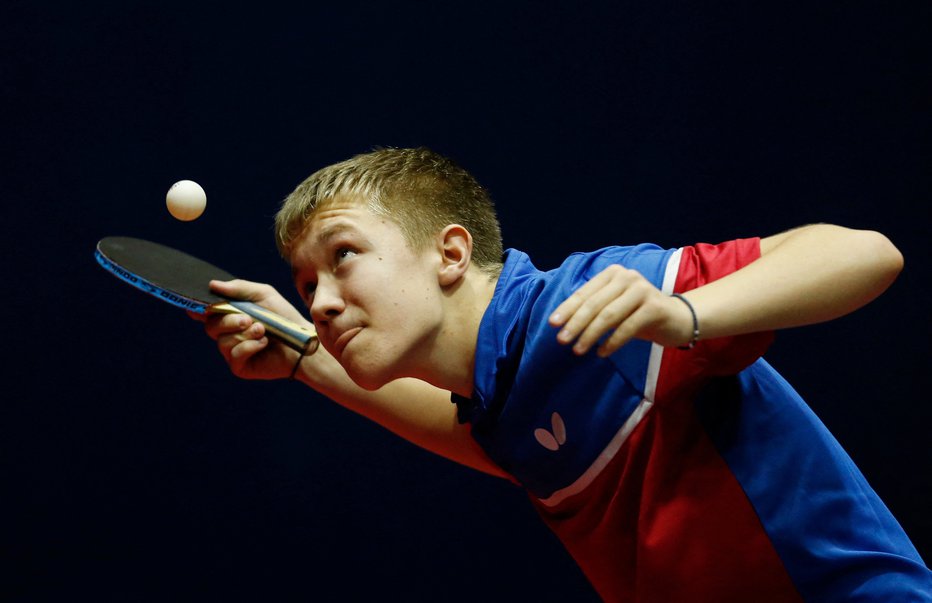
(183, 280)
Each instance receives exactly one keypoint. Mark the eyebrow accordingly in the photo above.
(331, 231)
(324, 237)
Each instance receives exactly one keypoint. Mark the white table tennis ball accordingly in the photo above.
(186, 200)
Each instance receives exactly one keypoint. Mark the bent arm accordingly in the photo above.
(804, 276)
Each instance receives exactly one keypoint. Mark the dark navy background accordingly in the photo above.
(135, 467)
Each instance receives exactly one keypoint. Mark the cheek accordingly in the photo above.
(407, 296)
(406, 321)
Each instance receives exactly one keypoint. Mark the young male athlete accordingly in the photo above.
(624, 390)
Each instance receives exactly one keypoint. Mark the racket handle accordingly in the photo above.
(291, 334)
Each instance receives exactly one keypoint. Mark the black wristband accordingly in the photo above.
(692, 342)
(294, 369)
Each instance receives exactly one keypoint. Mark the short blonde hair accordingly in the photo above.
(419, 190)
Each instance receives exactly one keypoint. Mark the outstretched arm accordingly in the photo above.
(412, 409)
(804, 276)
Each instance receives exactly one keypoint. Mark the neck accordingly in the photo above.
(452, 359)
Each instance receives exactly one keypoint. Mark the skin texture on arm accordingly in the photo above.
(804, 276)
(415, 410)
(811, 274)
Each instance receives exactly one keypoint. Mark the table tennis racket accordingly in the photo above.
(183, 281)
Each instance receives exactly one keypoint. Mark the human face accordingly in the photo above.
(376, 303)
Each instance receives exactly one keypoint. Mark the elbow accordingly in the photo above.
(885, 259)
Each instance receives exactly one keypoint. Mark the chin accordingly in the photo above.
(368, 378)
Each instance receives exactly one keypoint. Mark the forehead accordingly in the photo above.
(333, 215)
(341, 216)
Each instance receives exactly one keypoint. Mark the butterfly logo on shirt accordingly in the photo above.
(552, 440)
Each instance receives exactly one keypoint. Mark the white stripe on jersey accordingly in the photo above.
(650, 390)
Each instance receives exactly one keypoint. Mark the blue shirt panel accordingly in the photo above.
(523, 376)
(833, 533)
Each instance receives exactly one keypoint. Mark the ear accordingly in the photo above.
(455, 245)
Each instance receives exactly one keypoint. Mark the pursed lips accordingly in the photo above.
(340, 343)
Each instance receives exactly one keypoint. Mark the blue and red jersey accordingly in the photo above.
(677, 475)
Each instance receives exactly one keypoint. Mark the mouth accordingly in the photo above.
(340, 344)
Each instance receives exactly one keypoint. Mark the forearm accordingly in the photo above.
(808, 275)
(414, 410)
(410, 408)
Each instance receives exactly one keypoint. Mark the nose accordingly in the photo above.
(327, 302)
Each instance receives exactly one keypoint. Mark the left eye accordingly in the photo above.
(344, 252)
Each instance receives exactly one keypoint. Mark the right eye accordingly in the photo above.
(343, 253)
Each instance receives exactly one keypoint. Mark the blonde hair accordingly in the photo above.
(419, 190)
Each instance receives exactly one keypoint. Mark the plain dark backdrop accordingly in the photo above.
(136, 468)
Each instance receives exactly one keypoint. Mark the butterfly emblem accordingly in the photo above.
(552, 440)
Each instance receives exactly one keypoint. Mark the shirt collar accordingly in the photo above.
(500, 339)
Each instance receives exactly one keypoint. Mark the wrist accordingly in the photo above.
(309, 349)
(693, 332)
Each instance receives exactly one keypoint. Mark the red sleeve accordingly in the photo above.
(704, 263)
(701, 264)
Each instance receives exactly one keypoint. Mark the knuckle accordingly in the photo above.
(584, 313)
(618, 332)
(612, 314)
(639, 283)
(576, 298)
(618, 272)
(614, 269)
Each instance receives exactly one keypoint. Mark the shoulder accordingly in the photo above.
(648, 259)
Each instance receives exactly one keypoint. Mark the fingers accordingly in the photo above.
(632, 326)
(264, 295)
(595, 308)
(236, 334)
(238, 349)
(230, 338)
(220, 325)
(239, 346)
(615, 302)
(571, 305)
(243, 341)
